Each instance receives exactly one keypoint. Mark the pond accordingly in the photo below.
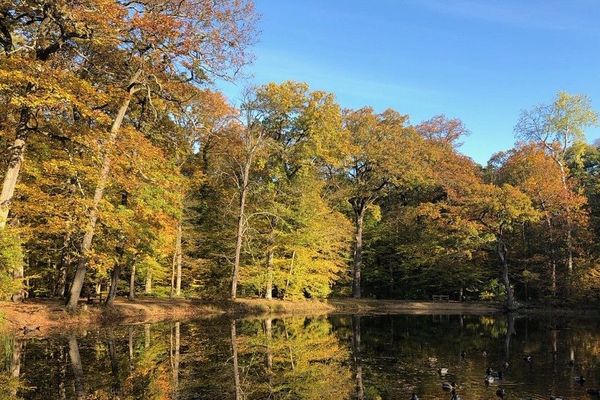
(328, 357)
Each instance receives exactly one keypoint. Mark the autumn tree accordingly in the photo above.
(161, 43)
(556, 127)
(383, 153)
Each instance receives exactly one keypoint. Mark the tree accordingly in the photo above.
(556, 127)
(499, 210)
(383, 153)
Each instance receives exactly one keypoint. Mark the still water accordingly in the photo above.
(335, 357)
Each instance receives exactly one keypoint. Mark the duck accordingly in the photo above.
(580, 379)
(528, 359)
(500, 393)
(414, 397)
(455, 396)
(484, 353)
(489, 379)
(593, 392)
(443, 371)
(463, 354)
(494, 374)
(448, 386)
(506, 365)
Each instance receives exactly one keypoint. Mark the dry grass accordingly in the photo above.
(50, 315)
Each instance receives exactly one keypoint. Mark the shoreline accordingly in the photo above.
(43, 317)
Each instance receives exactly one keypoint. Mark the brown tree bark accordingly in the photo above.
(502, 255)
(358, 250)
(131, 296)
(240, 228)
(176, 267)
(269, 284)
(15, 161)
(86, 244)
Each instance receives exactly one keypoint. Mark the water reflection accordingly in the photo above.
(339, 357)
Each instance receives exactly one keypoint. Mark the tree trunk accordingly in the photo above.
(240, 230)
(148, 287)
(563, 176)
(358, 249)
(114, 281)
(291, 271)
(234, 356)
(86, 244)
(132, 283)
(502, 254)
(18, 275)
(269, 285)
(15, 161)
(179, 256)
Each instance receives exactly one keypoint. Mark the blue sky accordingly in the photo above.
(481, 61)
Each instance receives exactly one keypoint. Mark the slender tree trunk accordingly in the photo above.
(234, 356)
(148, 288)
(240, 230)
(502, 254)
(114, 280)
(358, 250)
(132, 283)
(15, 161)
(269, 285)
(77, 367)
(19, 275)
(86, 244)
(120, 250)
(289, 277)
(563, 176)
(178, 260)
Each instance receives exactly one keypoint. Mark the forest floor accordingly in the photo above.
(44, 316)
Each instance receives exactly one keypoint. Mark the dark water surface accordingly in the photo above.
(336, 357)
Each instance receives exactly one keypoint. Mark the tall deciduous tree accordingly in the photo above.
(383, 153)
(556, 127)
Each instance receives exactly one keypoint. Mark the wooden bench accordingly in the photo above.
(440, 297)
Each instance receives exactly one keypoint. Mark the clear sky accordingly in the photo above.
(481, 61)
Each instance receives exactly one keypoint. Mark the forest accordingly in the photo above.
(126, 172)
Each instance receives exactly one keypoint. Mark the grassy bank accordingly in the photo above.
(51, 315)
